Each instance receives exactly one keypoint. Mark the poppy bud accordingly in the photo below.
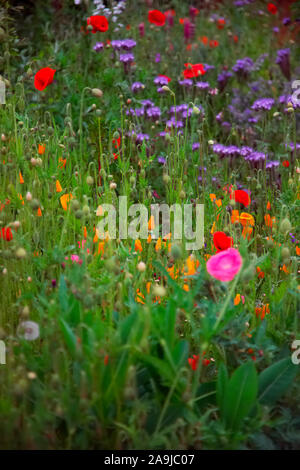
(182, 194)
(78, 214)
(75, 205)
(116, 135)
(285, 226)
(21, 253)
(196, 111)
(90, 180)
(285, 253)
(141, 267)
(86, 210)
(97, 92)
(103, 173)
(166, 178)
(159, 291)
(113, 185)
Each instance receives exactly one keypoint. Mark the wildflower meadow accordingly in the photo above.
(149, 225)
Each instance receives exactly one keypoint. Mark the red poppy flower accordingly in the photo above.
(221, 23)
(193, 70)
(156, 17)
(213, 43)
(286, 163)
(241, 196)
(272, 8)
(222, 241)
(6, 234)
(98, 22)
(43, 78)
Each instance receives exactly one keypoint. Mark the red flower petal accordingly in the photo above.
(43, 78)
(99, 23)
(156, 17)
(222, 241)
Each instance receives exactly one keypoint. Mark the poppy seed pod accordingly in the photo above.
(97, 92)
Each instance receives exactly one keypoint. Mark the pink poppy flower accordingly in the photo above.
(225, 265)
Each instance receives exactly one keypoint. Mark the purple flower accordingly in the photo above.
(116, 44)
(272, 164)
(157, 58)
(223, 79)
(263, 104)
(137, 86)
(202, 85)
(127, 58)
(195, 146)
(98, 47)
(161, 159)
(128, 44)
(286, 21)
(243, 67)
(154, 113)
(160, 80)
(187, 82)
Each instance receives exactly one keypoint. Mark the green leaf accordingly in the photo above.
(275, 380)
(240, 395)
(69, 336)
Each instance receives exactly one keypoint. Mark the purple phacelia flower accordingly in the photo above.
(263, 104)
(137, 86)
(98, 47)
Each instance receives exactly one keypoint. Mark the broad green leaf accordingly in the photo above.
(240, 395)
(275, 380)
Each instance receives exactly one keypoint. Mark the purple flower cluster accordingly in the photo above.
(123, 44)
(223, 78)
(263, 104)
(137, 86)
(98, 47)
(243, 67)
